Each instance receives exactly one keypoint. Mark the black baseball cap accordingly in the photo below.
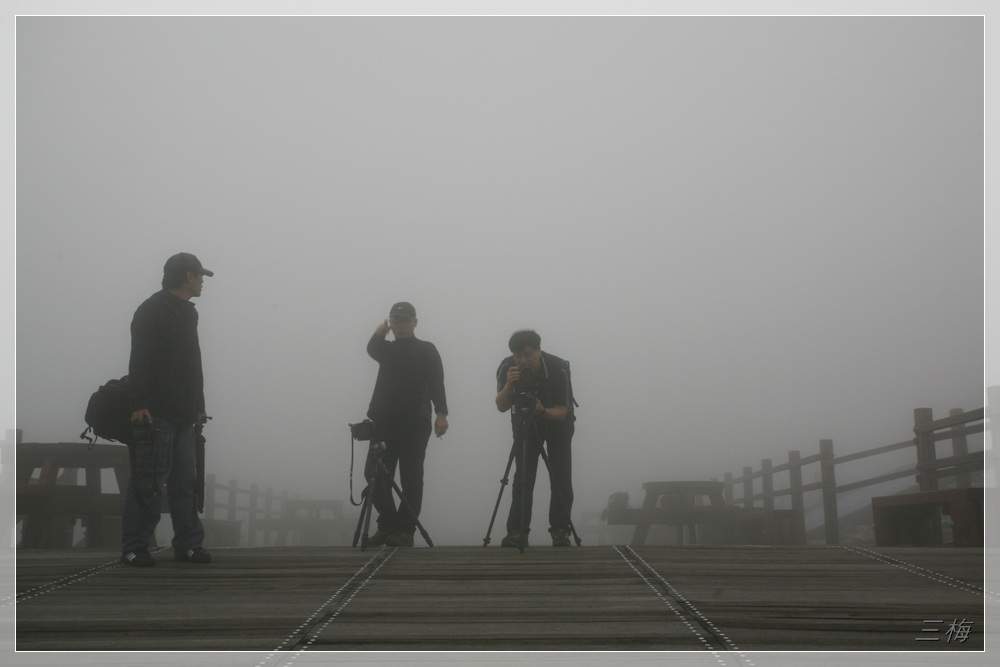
(183, 263)
(402, 310)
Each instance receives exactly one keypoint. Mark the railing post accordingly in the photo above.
(252, 517)
(991, 468)
(268, 516)
(767, 483)
(727, 490)
(231, 507)
(210, 496)
(747, 486)
(295, 514)
(795, 487)
(831, 521)
(281, 538)
(926, 452)
(960, 447)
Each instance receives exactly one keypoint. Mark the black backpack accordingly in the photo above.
(109, 415)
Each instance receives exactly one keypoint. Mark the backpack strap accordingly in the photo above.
(89, 435)
(564, 367)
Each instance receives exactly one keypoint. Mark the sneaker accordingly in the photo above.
(560, 537)
(513, 539)
(400, 539)
(139, 558)
(377, 539)
(196, 555)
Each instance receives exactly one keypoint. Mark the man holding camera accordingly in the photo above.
(166, 396)
(410, 378)
(538, 383)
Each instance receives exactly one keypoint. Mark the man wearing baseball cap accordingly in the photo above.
(166, 393)
(410, 379)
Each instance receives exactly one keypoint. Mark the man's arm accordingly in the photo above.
(200, 413)
(377, 343)
(560, 400)
(505, 396)
(143, 334)
(556, 413)
(505, 384)
(435, 388)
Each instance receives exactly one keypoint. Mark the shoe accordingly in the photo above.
(513, 539)
(400, 538)
(140, 558)
(196, 555)
(560, 537)
(377, 539)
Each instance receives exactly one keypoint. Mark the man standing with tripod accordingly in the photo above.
(542, 381)
(410, 378)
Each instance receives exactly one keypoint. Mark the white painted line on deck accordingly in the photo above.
(924, 572)
(380, 555)
(68, 580)
(741, 657)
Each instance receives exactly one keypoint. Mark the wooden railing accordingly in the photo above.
(263, 518)
(927, 471)
(52, 499)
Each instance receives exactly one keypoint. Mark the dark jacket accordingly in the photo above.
(165, 375)
(554, 388)
(410, 377)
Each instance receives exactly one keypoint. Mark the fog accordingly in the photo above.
(746, 234)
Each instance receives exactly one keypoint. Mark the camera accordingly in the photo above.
(527, 383)
(365, 430)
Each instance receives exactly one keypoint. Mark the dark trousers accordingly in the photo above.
(557, 441)
(406, 440)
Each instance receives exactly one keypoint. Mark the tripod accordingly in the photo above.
(524, 410)
(381, 479)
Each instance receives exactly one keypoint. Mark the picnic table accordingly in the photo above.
(693, 506)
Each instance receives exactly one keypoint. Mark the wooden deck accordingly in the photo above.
(613, 598)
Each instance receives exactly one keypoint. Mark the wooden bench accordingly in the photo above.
(49, 508)
(915, 518)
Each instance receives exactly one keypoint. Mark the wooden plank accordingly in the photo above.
(475, 598)
(68, 501)
(953, 420)
(70, 454)
(873, 452)
(808, 598)
(552, 599)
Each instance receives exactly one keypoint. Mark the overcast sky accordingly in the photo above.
(746, 234)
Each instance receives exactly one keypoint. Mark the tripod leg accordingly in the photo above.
(523, 468)
(403, 502)
(559, 495)
(364, 535)
(367, 499)
(376, 486)
(503, 483)
(406, 504)
(364, 521)
(365, 508)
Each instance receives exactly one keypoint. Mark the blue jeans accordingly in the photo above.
(168, 459)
